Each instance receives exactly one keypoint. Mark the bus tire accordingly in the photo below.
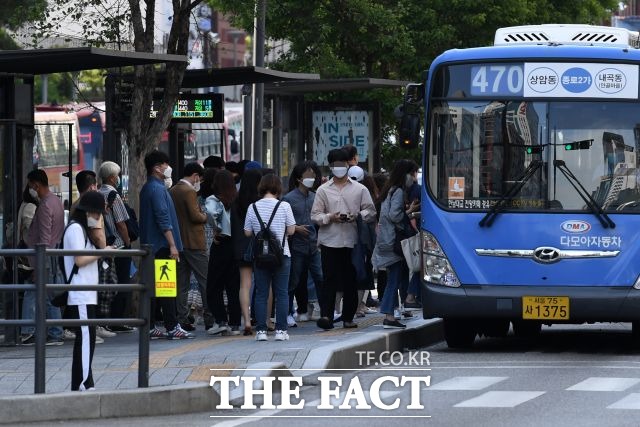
(526, 329)
(459, 333)
(635, 334)
(495, 328)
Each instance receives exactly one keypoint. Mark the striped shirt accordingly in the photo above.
(117, 213)
(282, 219)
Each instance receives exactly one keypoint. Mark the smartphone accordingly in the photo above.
(343, 217)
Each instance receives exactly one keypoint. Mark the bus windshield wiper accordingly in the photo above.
(488, 219)
(584, 195)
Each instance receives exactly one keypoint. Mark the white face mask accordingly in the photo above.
(409, 180)
(339, 171)
(167, 172)
(168, 182)
(33, 193)
(117, 181)
(308, 182)
(196, 186)
(92, 222)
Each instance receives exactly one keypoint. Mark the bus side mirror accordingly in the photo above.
(409, 131)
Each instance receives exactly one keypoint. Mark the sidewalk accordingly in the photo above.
(176, 362)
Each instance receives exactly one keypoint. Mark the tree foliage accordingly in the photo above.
(395, 39)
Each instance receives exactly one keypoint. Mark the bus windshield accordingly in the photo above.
(479, 149)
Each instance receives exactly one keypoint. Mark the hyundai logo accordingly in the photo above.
(546, 255)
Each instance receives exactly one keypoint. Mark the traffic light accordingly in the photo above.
(533, 149)
(409, 131)
(578, 145)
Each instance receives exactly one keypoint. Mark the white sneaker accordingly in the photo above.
(262, 335)
(68, 335)
(217, 329)
(336, 315)
(303, 317)
(282, 335)
(99, 340)
(314, 310)
(103, 333)
(396, 314)
(291, 322)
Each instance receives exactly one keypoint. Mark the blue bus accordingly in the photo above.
(531, 186)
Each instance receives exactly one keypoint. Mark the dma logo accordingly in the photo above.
(575, 226)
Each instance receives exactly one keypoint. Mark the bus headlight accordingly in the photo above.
(436, 266)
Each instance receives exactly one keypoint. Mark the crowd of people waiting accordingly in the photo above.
(336, 239)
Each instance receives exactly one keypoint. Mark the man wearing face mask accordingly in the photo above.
(305, 257)
(46, 228)
(194, 254)
(116, 217)
(159, 227)
(336, 206)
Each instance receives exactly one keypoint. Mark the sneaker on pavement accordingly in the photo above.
(261, 335)
(392, 324)
(156, 333)
(178, 333)
(369, 310)
(217, 329)
(291, 322)
(324, 323)
(29, 339)
(103, 333)
(235, 330)
(68, 335)
(99, 340)
(282, 335)
(337, 317)
(188, 327)
(407, 314)
(55, 341)
(303, 317)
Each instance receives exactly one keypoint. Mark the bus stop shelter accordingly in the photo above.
(17, 71)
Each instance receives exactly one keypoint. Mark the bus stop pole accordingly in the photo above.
(70, 163)
(40, 322)
(144, 312)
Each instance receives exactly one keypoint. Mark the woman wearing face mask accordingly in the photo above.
(83, 269)
(305, 257)
(394, 216)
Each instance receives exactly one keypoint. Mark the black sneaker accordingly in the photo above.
(392, 324)
(324, 323)
(29, 339)
(188, 327)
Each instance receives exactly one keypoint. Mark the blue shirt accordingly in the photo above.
(301, 207)
(157, 215)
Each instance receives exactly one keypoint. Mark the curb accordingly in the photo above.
(178, 399)
(191, 398)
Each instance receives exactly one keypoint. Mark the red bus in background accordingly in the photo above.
(51, 148)
(92, 121)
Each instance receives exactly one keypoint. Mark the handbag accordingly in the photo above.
(411, 250)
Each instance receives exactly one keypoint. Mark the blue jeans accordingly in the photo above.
(394, 279)
(278, 279)
(29, 307)
(303, 267)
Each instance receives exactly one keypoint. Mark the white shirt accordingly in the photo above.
(74, 238)
(282, 219)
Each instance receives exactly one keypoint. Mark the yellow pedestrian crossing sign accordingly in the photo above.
(166, 278)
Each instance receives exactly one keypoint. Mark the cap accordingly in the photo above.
(91, 201)
(356, 173)
(252, 165)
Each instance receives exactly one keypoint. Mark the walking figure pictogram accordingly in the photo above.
(164, 269)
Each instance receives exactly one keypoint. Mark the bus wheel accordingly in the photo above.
(495, 328)
(526, 329)
(459, 333)
(635, 334)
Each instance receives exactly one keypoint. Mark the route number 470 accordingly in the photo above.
(497, 79)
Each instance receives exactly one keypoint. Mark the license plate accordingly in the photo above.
(542, 308)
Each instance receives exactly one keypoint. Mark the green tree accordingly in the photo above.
(395, 39)
(115, 23)
(14, 13)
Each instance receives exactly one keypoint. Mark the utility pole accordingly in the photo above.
(258, 61)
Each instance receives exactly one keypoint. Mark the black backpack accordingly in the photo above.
(268, 252)
(133, 229)
(59, 298)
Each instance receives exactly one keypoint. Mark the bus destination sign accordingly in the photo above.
(195, 108)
